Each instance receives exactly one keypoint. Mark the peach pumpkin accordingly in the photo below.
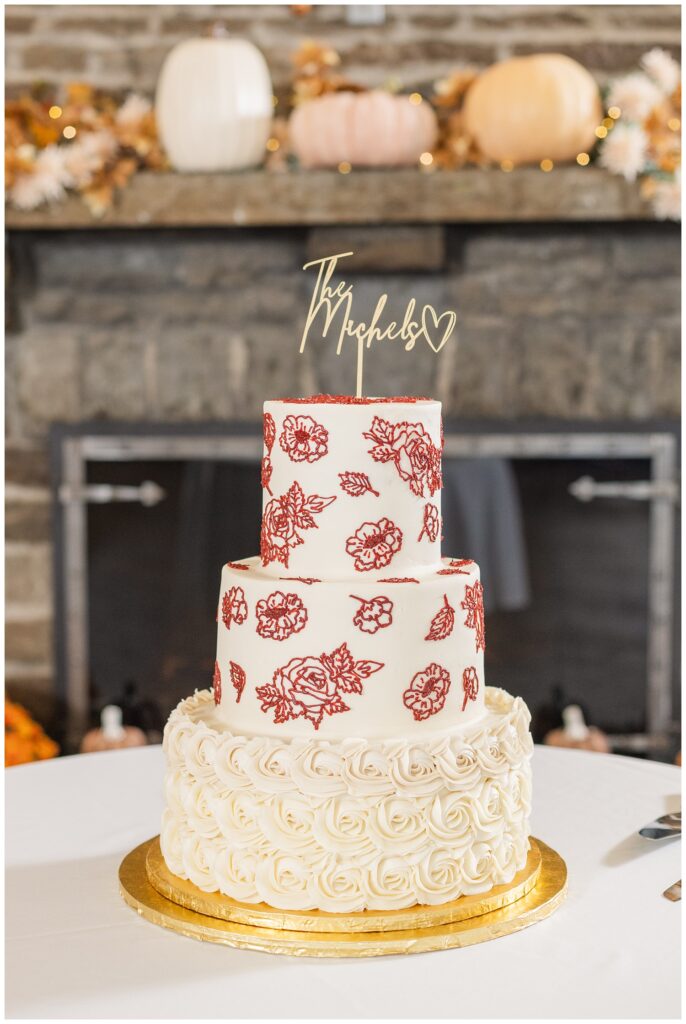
(365, 129)
(531, 108)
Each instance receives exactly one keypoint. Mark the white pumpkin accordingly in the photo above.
(214, 105)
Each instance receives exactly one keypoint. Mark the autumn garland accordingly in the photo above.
(91, 144)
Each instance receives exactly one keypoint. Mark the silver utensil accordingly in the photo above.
(665, 827)
(674, 892)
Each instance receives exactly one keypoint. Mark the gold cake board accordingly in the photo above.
(149, 887)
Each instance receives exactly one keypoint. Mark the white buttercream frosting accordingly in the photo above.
(352, 824)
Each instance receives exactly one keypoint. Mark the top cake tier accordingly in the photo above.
(351, 486)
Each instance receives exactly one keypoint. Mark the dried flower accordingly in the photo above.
(666, 198)
(635, 95)
(625, 151)
(134, 110)
(46, 183)
(662, 69)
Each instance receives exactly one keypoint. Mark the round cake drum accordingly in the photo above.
(149, 887)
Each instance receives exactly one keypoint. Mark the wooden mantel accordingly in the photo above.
(301, 198)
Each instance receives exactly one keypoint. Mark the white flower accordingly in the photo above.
(624, 151)
(85, 157)
(635, 95)
(662, 68)
(666, 198)
(133, 110)
(46, 183)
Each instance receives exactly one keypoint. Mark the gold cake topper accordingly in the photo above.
(336, 301)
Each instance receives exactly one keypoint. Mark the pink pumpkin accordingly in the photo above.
(364, 129)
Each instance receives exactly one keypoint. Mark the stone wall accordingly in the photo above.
(574, 322)
(122, 47)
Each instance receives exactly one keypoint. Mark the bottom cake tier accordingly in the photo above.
(348, 825)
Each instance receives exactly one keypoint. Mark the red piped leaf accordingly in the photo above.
(269, 428)
(442, 623)
(237, 679)
(367, 668)
(315, 503)
(356, 484)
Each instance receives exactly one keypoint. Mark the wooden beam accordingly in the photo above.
(299, 198)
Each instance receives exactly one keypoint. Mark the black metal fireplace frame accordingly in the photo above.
(73, 446)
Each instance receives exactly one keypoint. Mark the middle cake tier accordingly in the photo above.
(371, 657)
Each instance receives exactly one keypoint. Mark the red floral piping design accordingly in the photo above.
(303, 439)
(473, 604)
(351, 400)
(237, 565)
(311, 687)
(426, 694)
(280, 616)
(237, 679)
(217, 684)
(309, 580)
(373, 614)
(374, 544)
(432, 523)
(398, 579)
(269, 432)
(234, 607)
(357, 484)
(283, 517)
(416, 457)
(470, 685)
(455, 567)
(266, 474)
(443, 622)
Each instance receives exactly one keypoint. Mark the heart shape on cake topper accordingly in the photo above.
(429, 311)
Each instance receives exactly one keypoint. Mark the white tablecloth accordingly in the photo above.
(74, 949)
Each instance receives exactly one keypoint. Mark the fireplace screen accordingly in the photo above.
(574, 533)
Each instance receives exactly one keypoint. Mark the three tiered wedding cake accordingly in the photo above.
(349, 755)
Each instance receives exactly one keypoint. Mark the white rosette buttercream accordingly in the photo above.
(458, 764)
(237, 815)
(178, 729)
(343, 826)
(516, 795)
(337, 888)
(268, 765)
(450, 820)
(200, 752)
(490, 754)
(197, 854)
(479, 868)
(287, 822)
(282, 881)
(340, 827)
(172, 835)
(438, 877)
(174, 780)
(230, 762)
(235, 870)
(413, 770)
(488, 809)
(508, 858)
(317, 770)
(390, 884)
(366, 769)
(200, 807)
(398, 825)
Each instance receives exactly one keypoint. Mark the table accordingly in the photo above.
(74, 949)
